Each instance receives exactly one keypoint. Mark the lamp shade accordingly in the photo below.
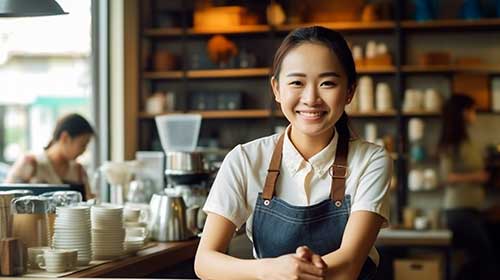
(29, 8)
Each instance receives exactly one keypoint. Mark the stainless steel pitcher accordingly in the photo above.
(168, 218)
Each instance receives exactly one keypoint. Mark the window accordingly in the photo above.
(45, 72)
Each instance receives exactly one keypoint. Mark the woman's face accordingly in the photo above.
(470, 115)
(74, 147)
(312, 89)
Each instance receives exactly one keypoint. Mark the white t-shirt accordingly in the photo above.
(301, 183)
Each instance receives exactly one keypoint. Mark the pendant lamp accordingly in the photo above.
(30, 8)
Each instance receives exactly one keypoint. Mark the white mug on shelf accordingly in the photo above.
(357, 53)
(366, 102)
(384, 97)
(432, 100)
(415, 180)
(415, 129)
(371, 49)
(413, 100)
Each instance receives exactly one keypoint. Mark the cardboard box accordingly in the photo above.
(475, 86)
(219, 18)
(428, 268)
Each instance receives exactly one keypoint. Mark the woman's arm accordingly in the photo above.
(450, 176)
(22, 171)
(212, 263)
(359, 236)
(84, 179)
(479, 177)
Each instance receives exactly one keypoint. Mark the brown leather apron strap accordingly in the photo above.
(274, 169)
(338, 171)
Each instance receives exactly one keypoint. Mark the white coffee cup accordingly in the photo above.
(55, 260)
(421, 223)
(33, 252)
(131, 214)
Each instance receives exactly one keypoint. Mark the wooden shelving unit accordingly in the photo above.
(185, 81)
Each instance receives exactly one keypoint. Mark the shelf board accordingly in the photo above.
(228, 73)
(342, 26)
(451, 68)
(238, 29)
(163, 32)
(243, 72)
(376, 69)
(217, 114)
(421, 114)
(145, 115)
(233, 114)
(373, 114)
(447, 24)
(163, 75)
(263, 28)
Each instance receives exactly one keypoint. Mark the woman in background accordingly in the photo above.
(56, 164)
(464, 174)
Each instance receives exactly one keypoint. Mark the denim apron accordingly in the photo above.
(279, 228)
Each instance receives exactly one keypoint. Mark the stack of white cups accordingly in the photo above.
(108, 233)
(72, 231)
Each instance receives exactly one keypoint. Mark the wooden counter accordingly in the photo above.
(146, 262)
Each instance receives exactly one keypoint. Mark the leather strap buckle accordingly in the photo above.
(338, 171)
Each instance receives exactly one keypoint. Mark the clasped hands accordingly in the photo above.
(304, 264)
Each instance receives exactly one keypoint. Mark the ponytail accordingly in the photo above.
(342, 125)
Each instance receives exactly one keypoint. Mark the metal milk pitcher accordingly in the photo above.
(168, 218)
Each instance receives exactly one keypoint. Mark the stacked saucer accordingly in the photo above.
(133, 244)
(72, 231)
(108, 233)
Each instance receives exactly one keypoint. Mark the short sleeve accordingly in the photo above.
(227, 195)
(372, 193)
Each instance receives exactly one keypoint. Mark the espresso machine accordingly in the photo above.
(187, 175)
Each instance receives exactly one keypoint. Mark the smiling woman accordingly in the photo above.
(313, 198)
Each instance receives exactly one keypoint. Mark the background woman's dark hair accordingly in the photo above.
(74, 125)
(454, 130)
(331, 39)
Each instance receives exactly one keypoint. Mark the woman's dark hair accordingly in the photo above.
(74, 125)
(454, 130)
(331, 39)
